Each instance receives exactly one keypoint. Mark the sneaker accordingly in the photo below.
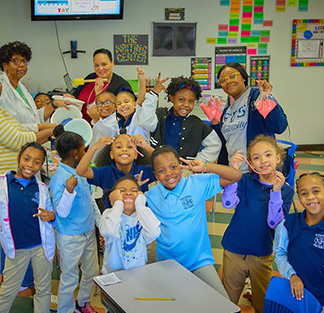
(87, 308)
(53, 305)
(248, 293)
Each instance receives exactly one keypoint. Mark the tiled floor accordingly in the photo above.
(217, 224)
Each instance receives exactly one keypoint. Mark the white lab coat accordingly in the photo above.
(13, 103)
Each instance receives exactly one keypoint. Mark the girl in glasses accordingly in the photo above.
(241, 120)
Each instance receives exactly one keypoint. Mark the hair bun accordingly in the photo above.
(58, 130)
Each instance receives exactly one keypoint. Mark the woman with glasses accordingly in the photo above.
(16, 100)
(106, 80)
(241, 121)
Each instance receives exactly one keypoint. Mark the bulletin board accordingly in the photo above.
(307, 43)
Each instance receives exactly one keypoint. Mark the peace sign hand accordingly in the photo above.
(159, 84)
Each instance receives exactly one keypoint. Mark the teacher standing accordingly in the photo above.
(106, 80)
(16, 99)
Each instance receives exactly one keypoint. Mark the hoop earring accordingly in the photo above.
(76, 157)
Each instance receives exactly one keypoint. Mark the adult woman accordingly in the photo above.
(15, 99)
(106, 80)
(241, 120)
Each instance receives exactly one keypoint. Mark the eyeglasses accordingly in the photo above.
(106, 103)
(230, 78)
(18, 61)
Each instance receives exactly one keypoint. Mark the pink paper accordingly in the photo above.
(258, 8)
(251, 51)
(247, 14)
(233, 28)
(245, 33)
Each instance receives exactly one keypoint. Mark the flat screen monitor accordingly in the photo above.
(42, 10)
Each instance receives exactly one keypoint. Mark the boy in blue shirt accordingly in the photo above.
(179, 203)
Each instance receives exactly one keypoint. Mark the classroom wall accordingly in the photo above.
(298, 89)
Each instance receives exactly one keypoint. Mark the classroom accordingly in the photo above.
(254, 30)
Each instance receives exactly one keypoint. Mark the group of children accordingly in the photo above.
(172, 212)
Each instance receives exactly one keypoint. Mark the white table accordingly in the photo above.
(165, 279)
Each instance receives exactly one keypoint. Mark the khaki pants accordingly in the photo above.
(209, 275)
(72, 249)
(14, 273)
(237, 267)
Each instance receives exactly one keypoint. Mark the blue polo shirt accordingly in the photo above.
(248, 232)
(182, 213)
(173, 125)
(306, 252)
(23, 196)
(106, 176)
(81, 217)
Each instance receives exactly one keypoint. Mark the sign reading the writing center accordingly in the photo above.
(130, 49)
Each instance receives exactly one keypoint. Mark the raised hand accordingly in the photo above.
(71, 183)
(158, 87)
(141, 182)
(99, 85)
(103, 141)
(45, 215)
(237, 159)
(279, 180)
(196, 166)
(141, 75)
(264, 86)
(92, 111)
(114, 196)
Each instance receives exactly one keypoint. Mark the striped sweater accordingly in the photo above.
(12, 136)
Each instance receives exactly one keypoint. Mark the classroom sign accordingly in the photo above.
(201, 72)
(225, 55)
(259, 69)
(130, 49)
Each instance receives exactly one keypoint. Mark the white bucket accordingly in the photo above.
(81, 127)
(61, 114)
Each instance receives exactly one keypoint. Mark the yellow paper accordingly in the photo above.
(211, 40)
(252, 45)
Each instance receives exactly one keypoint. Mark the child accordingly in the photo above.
(42, 100)
(76, 215)
(103, 115)
(135, 117)
(127, 227)
(261, 199)
(176, 127)
(24, 237)
(116, 160)
(179, 203)
(241, 120)
(299, 240)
